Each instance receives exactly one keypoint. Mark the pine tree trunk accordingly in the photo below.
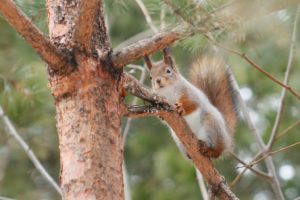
(87, 102)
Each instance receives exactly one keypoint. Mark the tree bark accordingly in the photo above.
(88, 123)
(87, 99)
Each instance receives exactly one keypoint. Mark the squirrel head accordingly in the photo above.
(162, 73)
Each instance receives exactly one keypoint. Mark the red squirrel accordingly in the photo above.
(207, 103)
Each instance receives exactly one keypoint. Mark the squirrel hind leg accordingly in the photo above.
(208, 150)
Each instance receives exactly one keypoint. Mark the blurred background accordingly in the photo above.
(156, 168)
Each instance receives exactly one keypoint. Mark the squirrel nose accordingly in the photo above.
(158, 81)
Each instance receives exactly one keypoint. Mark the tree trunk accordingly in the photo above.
(87, 102)
(85, 81)
(88, 122)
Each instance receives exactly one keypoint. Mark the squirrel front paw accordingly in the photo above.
(179, 108)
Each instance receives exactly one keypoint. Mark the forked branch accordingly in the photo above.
(39, 42)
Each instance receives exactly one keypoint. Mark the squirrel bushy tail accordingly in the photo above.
(214, 78)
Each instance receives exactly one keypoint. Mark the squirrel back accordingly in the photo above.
(213, 77)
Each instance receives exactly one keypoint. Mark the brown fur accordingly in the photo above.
(213, 77)
(188, 105)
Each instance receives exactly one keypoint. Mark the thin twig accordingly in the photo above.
(273, 152)
(126, 132)
(279, 111)
(269, 161)
(39, 42)
(259, 68)
(137, 67)
(286, 81)
(134, 101)
(239, 176)
(257, 172)
(127, 191)
(147, 16)
(13, 132)
(251, 163)
(285, 131)
(201, 184)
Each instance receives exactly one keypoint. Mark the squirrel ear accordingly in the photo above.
(168, 58)
(148, 62)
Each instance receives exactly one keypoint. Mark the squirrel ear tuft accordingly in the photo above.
(168, 58)
(148, 62)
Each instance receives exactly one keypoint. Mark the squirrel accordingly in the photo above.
(208, 103)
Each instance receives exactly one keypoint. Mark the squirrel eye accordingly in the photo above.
(150, 77)
(168, 71)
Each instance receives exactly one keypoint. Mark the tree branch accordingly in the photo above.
(259, 68)
(13, 132)
(84, 26)
(257, 172)
(183, 132)
(285, 131)
(144, 47)
(239, 176)
(270, 153)
(251, 163)
(39, 42)
(269, 161)
(286, 81)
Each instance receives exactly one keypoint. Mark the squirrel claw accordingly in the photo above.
(179, 108)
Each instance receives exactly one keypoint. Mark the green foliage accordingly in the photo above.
(157, 169)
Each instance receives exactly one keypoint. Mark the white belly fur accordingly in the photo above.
(193, 121)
